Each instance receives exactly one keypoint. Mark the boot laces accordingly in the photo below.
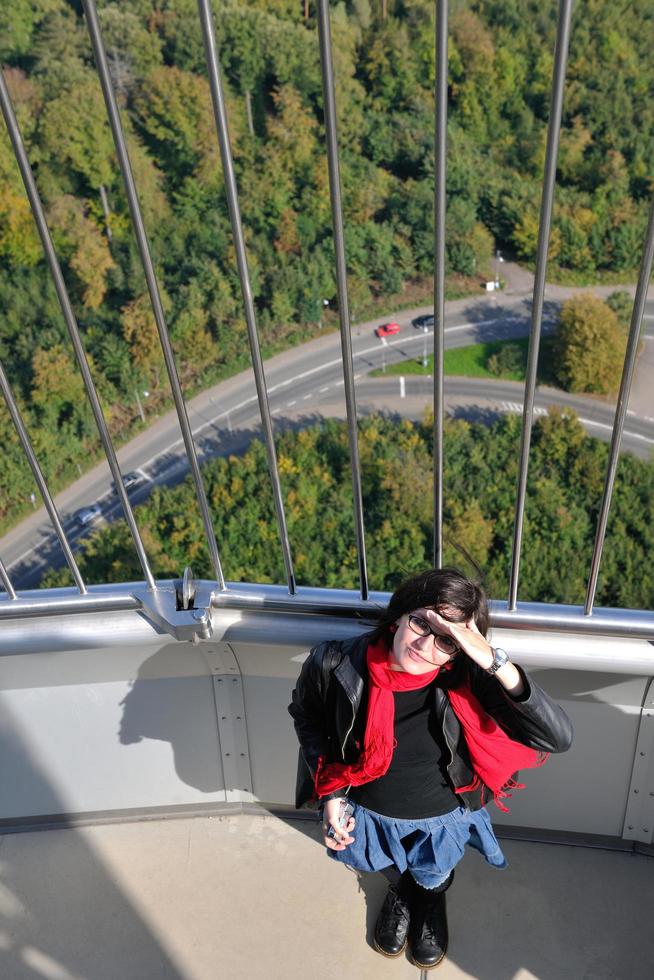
(398, 911)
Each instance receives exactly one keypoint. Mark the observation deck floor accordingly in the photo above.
(201, 898)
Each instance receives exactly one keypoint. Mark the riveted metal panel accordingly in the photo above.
(232, 727)
(639, 818)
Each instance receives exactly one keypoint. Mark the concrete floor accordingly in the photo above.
(254, 896)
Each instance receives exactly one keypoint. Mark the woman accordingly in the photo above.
(416, 725)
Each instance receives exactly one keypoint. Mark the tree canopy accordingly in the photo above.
(564, 491)
(500, 63)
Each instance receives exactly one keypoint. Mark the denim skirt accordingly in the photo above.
(429, 848)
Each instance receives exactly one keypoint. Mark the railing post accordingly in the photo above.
(547, 200)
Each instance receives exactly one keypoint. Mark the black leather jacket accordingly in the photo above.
(329, 709)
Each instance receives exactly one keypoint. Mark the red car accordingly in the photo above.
(387, 329)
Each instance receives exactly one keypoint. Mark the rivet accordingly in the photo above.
(223, 718)
(226, 753)
(651, 794)
(234, 679)
(642, 753)
(220, 680)
(646, 830)
(630, 827)
(242, 755)
(238, 717)
(635, 791)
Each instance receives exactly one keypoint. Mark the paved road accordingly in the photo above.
(306, 383)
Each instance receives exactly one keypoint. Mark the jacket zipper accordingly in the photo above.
(449, 747)
(347, 735)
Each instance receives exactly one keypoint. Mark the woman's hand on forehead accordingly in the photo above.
(466, 634)
(449, 619)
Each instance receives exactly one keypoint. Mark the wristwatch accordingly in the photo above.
(500, 657)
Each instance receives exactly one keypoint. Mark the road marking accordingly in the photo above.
(294, 402)
(408, 339)
(307, 396)
(603, 425)
(325, 388)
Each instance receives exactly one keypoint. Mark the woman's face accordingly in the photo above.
(415, 653)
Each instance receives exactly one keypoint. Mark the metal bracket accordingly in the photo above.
(184, 610)
(232, 728)
(639, 818)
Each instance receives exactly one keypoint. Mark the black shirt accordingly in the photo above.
(415, 785)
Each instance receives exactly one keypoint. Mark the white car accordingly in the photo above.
(88, 515)
(130, 480)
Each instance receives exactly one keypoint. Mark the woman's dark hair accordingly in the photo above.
(436, 588)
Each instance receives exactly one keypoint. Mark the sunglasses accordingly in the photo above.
(421, 627)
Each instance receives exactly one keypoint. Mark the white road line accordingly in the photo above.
(294, 402)
(411, 339)
(603, 425)
(325, 388)
(305, 397)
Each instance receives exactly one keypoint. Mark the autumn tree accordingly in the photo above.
(84, 247)
(589, 346)
(140, 331)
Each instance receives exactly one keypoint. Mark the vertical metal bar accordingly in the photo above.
(71, 322)
(146, 259)
(558, 80)
(220, 115)
(324, 33)
(4, 578)
(38, 476)
(439, 270)
(621, 407)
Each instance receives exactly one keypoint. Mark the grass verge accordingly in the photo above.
(472, 362)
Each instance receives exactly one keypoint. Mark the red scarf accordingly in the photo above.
(495, 757)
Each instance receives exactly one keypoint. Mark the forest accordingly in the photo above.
(566, 479)
(500, 63)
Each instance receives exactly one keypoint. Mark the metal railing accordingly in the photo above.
(184, 610)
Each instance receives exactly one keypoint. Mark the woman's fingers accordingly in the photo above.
(340, 838)
(340, 841)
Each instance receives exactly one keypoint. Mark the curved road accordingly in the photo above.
(306, 383)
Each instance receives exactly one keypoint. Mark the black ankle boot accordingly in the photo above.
(392, 923)
(428, 934)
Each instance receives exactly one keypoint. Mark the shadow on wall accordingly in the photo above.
(62, 913)
(172, 701)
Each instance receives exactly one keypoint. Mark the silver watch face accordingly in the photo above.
(500, 658)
